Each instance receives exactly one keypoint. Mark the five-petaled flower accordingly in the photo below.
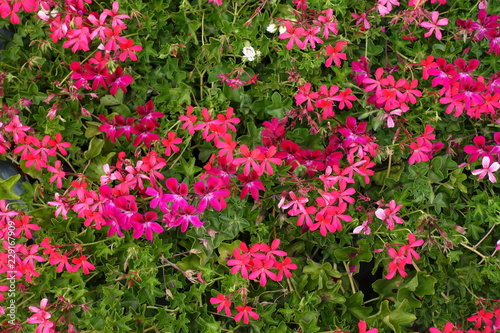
(244, 312)
(433, 26)
(489, 168)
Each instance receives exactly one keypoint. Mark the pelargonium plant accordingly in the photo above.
(266, 166)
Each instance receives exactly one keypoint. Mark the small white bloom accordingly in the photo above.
(282, 29)
(45, 14)
(249, 53)
(272, 28)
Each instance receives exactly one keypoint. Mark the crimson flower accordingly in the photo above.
(250, 160)
(212, 193)
(448, 328)
(252, 185)
(284, 267)
(421, 151)
(397, 265)
(116, 19)
(185, 217)
(479, 149)
(128, 50)
(41, 316)
(61, 260)
(119, 81)
(145, 224)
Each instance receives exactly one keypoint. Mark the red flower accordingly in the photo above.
(244, 312)
(224, 303)
(334, 54)
(83, 263)
(170, 143)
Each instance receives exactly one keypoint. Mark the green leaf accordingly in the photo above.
(373, 49)
(354, 305)
(7, 188)
(394, 319)
(209, 325)
(95, 148)
(109, 100)
(425, 285)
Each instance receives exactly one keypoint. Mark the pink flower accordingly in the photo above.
(170, 143)
(216, 2)
(434, 25)
(334, 54)
(59, 173)
(224, 304)
(488, 169)
(244, 312)
(388, 215)
(362, 328)
(294, 35)
(41, 316)
(83, 263)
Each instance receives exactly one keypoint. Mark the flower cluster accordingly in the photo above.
(11, 8)
(307, 27)
(63, 259)
(484, 322)
(485, 26)
(99, 73)
(423, 149)
(244, 311)
(349, 140)
(142, 127)
(259, 262)
(388, 215)
(20, 220)
(403, 256)
(391, 96)
(41, 317)
(487, 153)
(116, 205)
(79, 28)
(462, 89)
(325, 100)
(33, 152)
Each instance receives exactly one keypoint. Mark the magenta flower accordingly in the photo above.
(224, 304)
(434, 25)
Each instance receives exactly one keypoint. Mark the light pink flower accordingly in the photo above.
(434, 25)
(488, 169)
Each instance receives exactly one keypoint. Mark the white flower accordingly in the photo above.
(282, 29)
(45, 14)
(271, 28)
(249, 53)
